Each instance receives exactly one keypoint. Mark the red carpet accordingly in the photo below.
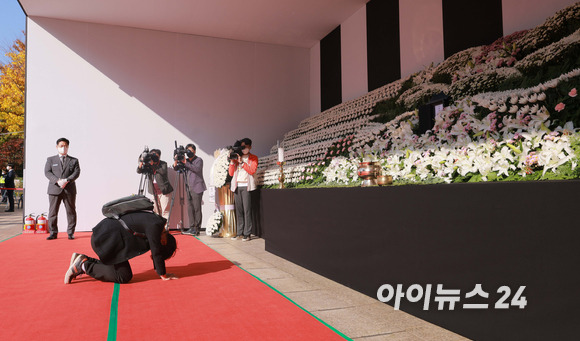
(34, 302)
(212, 300)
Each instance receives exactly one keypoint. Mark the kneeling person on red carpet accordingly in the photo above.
(115, 245)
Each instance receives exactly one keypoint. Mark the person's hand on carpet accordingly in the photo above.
(168, 277)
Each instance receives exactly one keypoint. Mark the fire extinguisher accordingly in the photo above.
(41, 224)
(29, 224)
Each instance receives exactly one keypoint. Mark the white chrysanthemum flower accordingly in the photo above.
(214, 223)
(219, 169)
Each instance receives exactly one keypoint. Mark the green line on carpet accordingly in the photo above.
(286, 297)
(10, 238)
(112, 334)
(296, 304)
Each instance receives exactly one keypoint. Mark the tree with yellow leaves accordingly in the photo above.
(12, 82)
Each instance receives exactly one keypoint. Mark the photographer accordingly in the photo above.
(242, 170)
(196, 185)
(151, 163)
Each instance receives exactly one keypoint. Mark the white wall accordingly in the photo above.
(112, 90)
(353, 44)
(525, 14)
(315, 93)
(421, 36)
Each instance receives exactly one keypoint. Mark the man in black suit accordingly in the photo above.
(62, 170)
(115, 245)
(9, 183)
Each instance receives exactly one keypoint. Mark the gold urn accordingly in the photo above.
(384, 180)
(368, 172)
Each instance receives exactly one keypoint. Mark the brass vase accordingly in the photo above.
(383, 180)
(226, 202)
(368, 171)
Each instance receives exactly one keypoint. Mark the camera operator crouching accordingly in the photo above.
(242, 168)
(150, 163)
(196, 185)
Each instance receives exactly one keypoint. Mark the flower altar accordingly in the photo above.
(514, 115)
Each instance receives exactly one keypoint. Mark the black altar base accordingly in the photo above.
(458, 235)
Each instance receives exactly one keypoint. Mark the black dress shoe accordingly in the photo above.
(71, 237)
(51, 237)
(8, 210)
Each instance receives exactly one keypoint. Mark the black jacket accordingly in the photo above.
(9, 179)
(161, 178)
(54, 171)
(114, 244)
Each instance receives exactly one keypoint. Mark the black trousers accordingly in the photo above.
(10, 196)
(194, 210)
(243, 205)
(118, 273)
(71, 212)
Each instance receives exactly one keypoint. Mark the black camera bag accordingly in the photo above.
(133, 203)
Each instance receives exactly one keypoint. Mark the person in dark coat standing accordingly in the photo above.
(115, 245)
(196, 184)
(161, 186)
(62, 170)
(9, 183)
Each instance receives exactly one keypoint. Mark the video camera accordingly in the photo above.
(178, 155)
(235, 151)
(148, 159)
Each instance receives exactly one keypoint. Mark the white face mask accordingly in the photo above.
(62, 150)
(246, 151)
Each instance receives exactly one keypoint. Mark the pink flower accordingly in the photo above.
(573, 93)
(560, 106)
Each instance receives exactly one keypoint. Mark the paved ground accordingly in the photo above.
(11, 223)
(356, 315)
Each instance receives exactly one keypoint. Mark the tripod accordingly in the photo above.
(147, 182)
(182, 187)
